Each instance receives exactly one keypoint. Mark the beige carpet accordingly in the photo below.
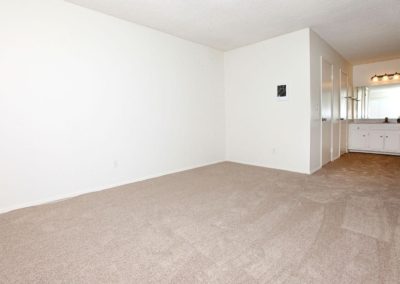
(226, 223)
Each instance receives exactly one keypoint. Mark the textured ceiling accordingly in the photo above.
(361, 30)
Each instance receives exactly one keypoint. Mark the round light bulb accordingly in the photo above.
(396, 76)
(385, 77)
(375, 79)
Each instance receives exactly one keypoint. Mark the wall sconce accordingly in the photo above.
(385, 77)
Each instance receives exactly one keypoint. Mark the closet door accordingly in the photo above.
(326, 111)
(336, 114)
(343, 112)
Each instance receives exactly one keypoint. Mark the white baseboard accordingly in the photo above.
(315, 170)
(335, 158)
(269, 167)
(374, 152)
(100, 188)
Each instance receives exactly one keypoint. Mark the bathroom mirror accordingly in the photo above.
(377, 102)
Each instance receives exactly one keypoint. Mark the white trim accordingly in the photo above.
(315, 170)
(335, 158)
(100, 188)
(374, 152)
(268, 167)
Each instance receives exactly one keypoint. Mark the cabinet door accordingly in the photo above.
(358, 140)
(392, 141)
(376, 138)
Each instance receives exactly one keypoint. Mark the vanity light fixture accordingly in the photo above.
(385, 77)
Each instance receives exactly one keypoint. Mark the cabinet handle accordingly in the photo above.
(381, 136)
(387, 136)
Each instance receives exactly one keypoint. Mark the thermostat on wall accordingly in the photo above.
(281, 94)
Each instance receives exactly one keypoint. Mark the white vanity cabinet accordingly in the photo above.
(358, 139)
(392, 141)
(374, 138)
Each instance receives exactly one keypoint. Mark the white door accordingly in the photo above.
(392, 141)
(326, 111)
(343, 112)
(376, 140)
(336, 116)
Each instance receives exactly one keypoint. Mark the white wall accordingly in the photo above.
(318, 48)
(261, 130)
(88, 101)
(362, 73)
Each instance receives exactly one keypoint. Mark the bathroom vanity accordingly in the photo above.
(380, 138)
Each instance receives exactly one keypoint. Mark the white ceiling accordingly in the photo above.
(361, 30)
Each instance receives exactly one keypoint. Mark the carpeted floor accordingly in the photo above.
(225, 223)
